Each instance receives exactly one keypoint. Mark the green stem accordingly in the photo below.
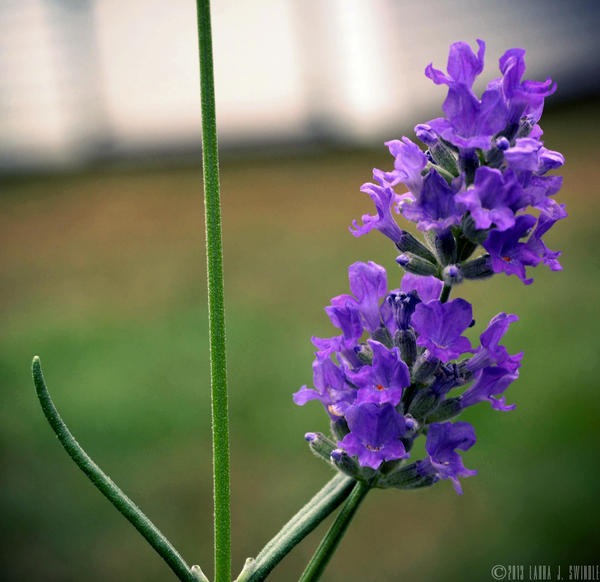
(106, 486)
(445, 293)
(216, 307)
(333, 537)
(297, 528)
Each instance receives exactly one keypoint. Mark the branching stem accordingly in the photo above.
(336, 532)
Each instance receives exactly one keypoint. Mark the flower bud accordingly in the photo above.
(494, 158)
(526, 124)
(407, 477)
(416, 265)
(424, 402)
(406, 340)
(345, 463)
(339, 428)
(319, 444)
(445, 247)
(425, 367)
(471, 231)
(444, 157)
(468, 163)
(452, 275)
(442, 153)
(464, 247)
(409, 244)
(447, 409)
(502, 143)
(479, 268)
(364, 353)
(383, 336)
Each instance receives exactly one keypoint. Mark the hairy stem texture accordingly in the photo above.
(216, 308)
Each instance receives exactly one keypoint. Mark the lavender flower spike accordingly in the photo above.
(399, 370)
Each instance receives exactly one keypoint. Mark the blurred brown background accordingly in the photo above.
(103, 276)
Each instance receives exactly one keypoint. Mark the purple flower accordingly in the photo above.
(470, 123)
(344, 314)
(402, 307)
(331, 389)
(426, 134)
(523, 98)
(439, 327)
(490, 382)
(492, 199)
(524, 155)
(326, 346)
(491, 352)
(463, 65)
(535, 243)
(368, 283)
(443, 460)
(537, 190)
(427, 288)
(375, 432)
(384, 380)
(384, 199)
(529, 154)
(409, 162)
(435, 207)
(549, 160)
(508, 255)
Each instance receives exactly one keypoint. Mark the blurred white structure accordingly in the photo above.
(82, 78)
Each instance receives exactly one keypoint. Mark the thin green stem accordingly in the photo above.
(105, 484)
(336, 532)
(216, 304)
(297, 528)
(445, 293)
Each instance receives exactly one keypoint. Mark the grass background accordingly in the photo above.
(102, 275)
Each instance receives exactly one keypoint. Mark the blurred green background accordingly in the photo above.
(103, 277)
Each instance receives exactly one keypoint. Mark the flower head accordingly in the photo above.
(387, 389)
(484, 167)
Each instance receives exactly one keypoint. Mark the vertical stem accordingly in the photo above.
(216, 311)
(336, 532)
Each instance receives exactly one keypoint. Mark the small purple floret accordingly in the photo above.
(443, 461)
(427, 288)
(490, 382)
(375, 432)
(440, 326)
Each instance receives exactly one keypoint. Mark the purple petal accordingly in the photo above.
(428, 288)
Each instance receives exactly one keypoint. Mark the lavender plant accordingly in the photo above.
(401, 366)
